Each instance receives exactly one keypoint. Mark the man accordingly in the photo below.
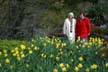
(83, 27)
(69, 27)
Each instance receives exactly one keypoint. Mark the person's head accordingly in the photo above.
(70, 15)
(81, 15)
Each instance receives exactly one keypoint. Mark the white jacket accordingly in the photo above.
(66, 27)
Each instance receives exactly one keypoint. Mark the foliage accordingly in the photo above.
(10, 44)
(19, 18)
(97, 12)
(56, 55)
(102, 31)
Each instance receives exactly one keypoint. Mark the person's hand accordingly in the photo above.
(88, 34)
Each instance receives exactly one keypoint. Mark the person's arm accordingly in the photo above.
(64, 27)
(74, 25)
(88, 27)
(76, 28)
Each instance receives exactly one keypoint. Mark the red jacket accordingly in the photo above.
(83, 27)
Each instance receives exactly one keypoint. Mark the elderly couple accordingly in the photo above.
(77, 28)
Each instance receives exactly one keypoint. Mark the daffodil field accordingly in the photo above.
(45, 54)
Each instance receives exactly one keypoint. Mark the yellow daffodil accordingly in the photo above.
(30, 52)
(5, 55)
(0, 53)
(5, 51)
(7, 60)
(16, 49)
(44, 44)
(51, 56)
(27, 65)
(87, 70)
(76, 69)
(61, 65)
(80, 58)
(22, 47)
(57, 58)
(22, 55)
(17, 52)
(106, 65)
(55, 70)
(43, 55)
(11, 66)
(96, 52)
(64, 69)
(67, 65)
(94, 66)
(80, 65)
(36, 48)
(33, 40)
(0, 65)
(18, 58)
(57, 45)
(32, 45)
(63, 45)
(21, 52)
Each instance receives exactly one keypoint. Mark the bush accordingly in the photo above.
(98, 12)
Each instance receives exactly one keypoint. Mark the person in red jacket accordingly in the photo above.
(83, 27)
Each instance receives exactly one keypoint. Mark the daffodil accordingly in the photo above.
(18, 58)
(87, 70)
(36, 48)
(0, 53)
(7, 60)
(17, 52)
(80, 65)
(22, 55)
(94, 66)
(30, 52)
(12, 51)
(32, 45)
(16, 49)
(76, 69)
(43, 55)
(22, 47)
(5, 55)
(44, 44)
(106, 65)
(51, 56)
(33, 40)
(80, 58)
(64, 69)
(0, 65)
(27, 65)
(5, 51)
(55, 70)
(67, 65)
(14, 54)
(96, 52)
(63, 45)
(61, 65)
(57, 58)
(11, 66)
(57, 45)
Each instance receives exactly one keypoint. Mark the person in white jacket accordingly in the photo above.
(69, 27)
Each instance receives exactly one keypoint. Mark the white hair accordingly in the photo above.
(71, 14)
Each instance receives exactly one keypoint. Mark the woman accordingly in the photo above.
(69, 27)
(83, 27)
